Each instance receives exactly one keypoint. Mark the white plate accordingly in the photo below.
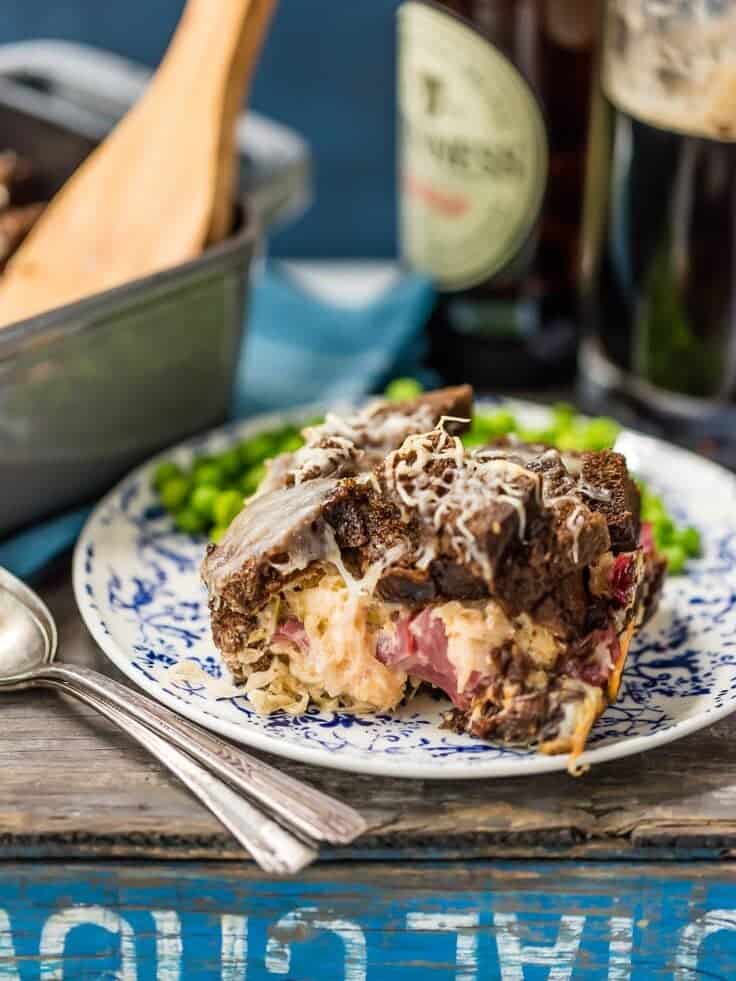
(137, 585)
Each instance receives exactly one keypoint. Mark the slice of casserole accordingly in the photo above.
(509, 578)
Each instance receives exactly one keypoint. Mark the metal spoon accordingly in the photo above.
(28, 643)
(308, 812)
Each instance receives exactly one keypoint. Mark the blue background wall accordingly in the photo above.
(328, 70)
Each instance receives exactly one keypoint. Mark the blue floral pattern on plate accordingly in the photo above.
(138, 588)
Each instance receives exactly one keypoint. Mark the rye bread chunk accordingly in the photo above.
(606, 471)
(450, 575)
(534, 569)
(456, 402)
(605, 474)
(276, 536)
(569, 611)
(523, 541)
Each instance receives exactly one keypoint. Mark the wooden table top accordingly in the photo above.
(74, 787)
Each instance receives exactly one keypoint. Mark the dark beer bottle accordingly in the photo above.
(493, 105)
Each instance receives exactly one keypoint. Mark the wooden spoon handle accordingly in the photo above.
(252, 36)
(224, 36)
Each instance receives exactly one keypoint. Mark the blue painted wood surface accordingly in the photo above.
(470, 922)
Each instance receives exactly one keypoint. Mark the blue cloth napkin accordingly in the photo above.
(299, 349)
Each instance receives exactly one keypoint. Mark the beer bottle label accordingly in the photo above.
(473, 150)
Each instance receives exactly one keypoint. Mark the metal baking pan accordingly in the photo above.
(90, 388)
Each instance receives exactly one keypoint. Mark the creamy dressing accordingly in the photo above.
(579, 704)
(473, 631)
(601, 658)
(342, 631)
(266, 526)
(537, 642)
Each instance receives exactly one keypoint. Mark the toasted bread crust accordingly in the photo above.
(607, 471)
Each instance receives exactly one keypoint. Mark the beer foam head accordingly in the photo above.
(675, 71)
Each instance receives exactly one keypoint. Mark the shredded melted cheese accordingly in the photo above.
(459, 491)
(353, 443)
(547, 494)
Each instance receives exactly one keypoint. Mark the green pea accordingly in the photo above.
(473, 438)
(209, 474)
(291, 444)
(676, 558)
(174, 493)
(476, 429)
(257, 449)
(165, 472)
(665, 532)
(569, 439)
(652, 507)
(537, 436)
(229, 462)
(228, 504)
(217, 533)
(403, 389)
(547, 436)
(203, 500)
(689, 540)
(487, 426)
(563, 415)
(599, 434)
(502, 422)
(188, 521)
(480, 424)
(251, 480)
(481, 428)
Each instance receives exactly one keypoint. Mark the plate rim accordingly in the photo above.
(431, 770)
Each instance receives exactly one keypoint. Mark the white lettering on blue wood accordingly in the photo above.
(560, 958)
(693, 935)
(620, 946)
(465, 925)
(234, 947)
(278, 953)
(57, 928)
(168, 945)
(302, 923)
(8, 962)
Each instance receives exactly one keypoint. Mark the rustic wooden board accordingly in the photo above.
(70, 786)
(369, 922)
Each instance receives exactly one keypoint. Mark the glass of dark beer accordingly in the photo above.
(659, 252)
